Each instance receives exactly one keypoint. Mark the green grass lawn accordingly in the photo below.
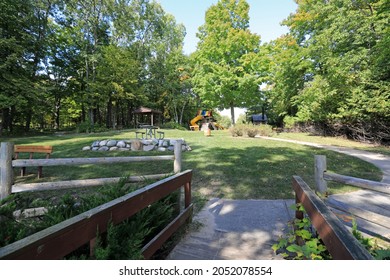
(335, 141)
(224, 166)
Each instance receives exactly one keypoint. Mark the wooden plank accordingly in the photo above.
(43, 186)
(358, 212)
(6, 172)
(82, 161)
(59, 240)
(33, 149)
(340, 243)
(357, 182)
(149, 249)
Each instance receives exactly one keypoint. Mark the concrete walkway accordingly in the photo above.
(236, 230)
(246, 229)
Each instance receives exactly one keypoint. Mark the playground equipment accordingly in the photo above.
(206, 116)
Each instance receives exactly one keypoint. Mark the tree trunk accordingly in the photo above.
(232, 113)
(57, 114)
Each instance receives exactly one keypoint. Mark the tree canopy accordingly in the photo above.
(228, 70)
(68, 63)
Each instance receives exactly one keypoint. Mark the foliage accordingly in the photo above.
(123, 241)
(251, 130)
(228, 68)
(69, 62)
(301, 232)
(370, 244)
(237, 130)
(330, 68)
(173, 125)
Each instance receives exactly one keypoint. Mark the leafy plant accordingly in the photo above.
(301, 242)
(237, 130)
(251, 131)
(370, 244)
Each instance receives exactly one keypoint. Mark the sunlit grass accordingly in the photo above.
(224, 166)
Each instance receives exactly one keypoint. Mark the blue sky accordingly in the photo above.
(265, 17)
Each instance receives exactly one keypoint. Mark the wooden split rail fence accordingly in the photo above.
(8, 163)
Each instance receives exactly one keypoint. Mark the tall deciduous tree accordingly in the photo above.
(228, 69)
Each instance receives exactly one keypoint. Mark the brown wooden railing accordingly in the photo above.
(339, 241)
(59, 240)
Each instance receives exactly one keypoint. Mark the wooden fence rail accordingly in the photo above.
(7, 164)
(322, 176)
(339, 241)
(60, 240)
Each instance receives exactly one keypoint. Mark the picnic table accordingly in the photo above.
(150, 132)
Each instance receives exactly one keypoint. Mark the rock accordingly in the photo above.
(183, 148)
(171, 148)
(148, 148)
(161, 149)
(128, 141)
(165, 144)
(128, 146)
(147, 142)
(188, 148)
(123, 149)
(95, 148)
(95, 144)
(136, 145)
(121, 144)
(111, 143)
(86, 148)
(104, 149)
(172, 142)
(113, 148)
(102, 143)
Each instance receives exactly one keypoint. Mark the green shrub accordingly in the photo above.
(265, 130)
(173, 125)
(237, 130)
(86, 127)
(251, 130)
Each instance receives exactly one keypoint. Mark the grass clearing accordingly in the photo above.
(224, 166)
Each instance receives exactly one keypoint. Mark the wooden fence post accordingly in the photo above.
(6, 171)
(177, 154)
(319, 169)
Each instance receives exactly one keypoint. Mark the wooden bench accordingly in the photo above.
(32, 149)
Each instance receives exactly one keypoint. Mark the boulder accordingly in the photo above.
(161, 149)
(111, 143)
(95, 144)
(102, 143)
(86, 148)
(114, 148)
(121, 144)
(148, 148)
(104, 148)
(95, 148)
